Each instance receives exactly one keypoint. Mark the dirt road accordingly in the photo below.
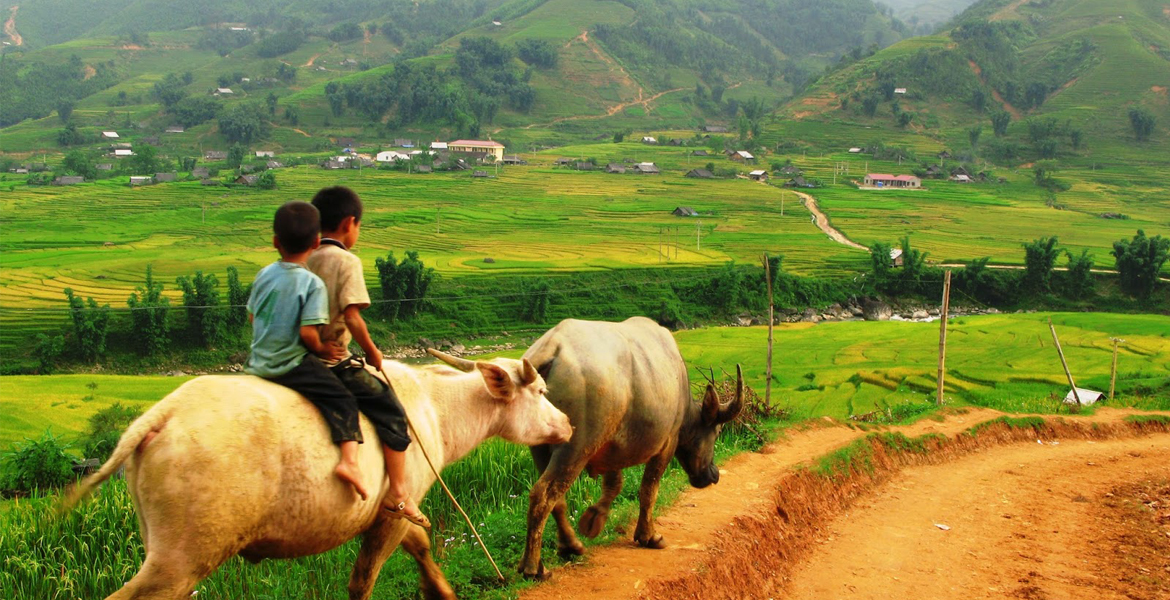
(743, 537)
(1026, 521)
(822, 222)
(10, 28)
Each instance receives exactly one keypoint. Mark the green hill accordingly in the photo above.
(390, 67)
(1068, 72)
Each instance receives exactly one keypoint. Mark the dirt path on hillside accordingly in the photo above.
(1026, 521)
(703, 521)
(312, 59)
(1013, 111)
(1007, 11)
(10, 28)
(822, 221)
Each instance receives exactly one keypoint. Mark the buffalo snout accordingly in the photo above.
(704, 478)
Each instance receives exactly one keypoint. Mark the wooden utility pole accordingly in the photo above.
(698, 236)
(1113, 370)
(771, 320)
(942, 336)
(783, 195)
(438, 211)
(1064, 363)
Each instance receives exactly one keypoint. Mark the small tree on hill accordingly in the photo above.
(973, 135)
(1142, 123)
(404, 284)
(534, 301)
(999, 122)
(205, 318)
(148, 312)
(1139, 261)
(1078, 280)
(237, 299)
(91, 323)
(1039, 260)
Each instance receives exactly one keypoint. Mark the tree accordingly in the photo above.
(244, 124)
(881, 263)
(1076, 137)
(235, 155)
(905, 118)
(170, 90)
(404, 284)
(271, 100)
(190, 112)
(148, 312)
(618, 136)
(70, 136)
(77, 162)
(973, 135)
(64, 110)
(1000, 120)
(145, 159)
(1078, 280)
(1039, 260)
(537, 52)
(201, 299)
(1139, 261)
(869, 104)
(979, 100)
(267, 180)
(534, 300)
(717, 93)
(91, 323)
(237, 299)
(335, 97)
(1142, 123)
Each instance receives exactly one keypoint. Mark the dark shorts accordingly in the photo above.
(341, 391)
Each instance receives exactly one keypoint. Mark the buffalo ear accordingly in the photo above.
(710, 410)
(499, 381)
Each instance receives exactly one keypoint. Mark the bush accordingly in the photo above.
(237, 312)
(534, 300)
(1140, 261)
(205, 318)
(1039, 259)
(37, 464)
(47, 351)
(105, 429)
(148, 312)
(404, 284)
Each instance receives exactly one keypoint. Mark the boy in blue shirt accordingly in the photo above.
(288, 306)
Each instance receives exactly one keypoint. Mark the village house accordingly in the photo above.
(110, 135)
(790, 170)
(423, 169)
(274, 164)
(740, 156)
(403, 143)
(961, 178)
(684, 211)
(248, 180)
(758, 175)
(798, 182)
(223, 92)
(900, 91)
(200, 173)
(175, 129)
(151, 140)
(615, 168)
(649, 139)
(215, 155)
(584, 166)
(699, 153)
(141, 180)
(68, 180)
(480, 174)
(121, 152)
(512, 159)
(895, 181)
(700, 174)
(494, 149)
(104, 166)
(333, 163)
(675, 142)
(896, 257)
(646, 168)
(265, 154)
(438, 145)
(714, 129)
(389, 156)
(208, 182)
(165, 177)
(855, 150)
(562, 161)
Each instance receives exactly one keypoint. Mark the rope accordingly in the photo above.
(446, 489)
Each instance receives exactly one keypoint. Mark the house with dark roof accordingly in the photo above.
(480, 174)
(274, 164)
(68, 180)
(714, 129)
(758, 175)
(562, 161)
(699, 153)
(215, 155)
(165, 177)
(136, 180)
(403, 143)
(700, 174)
(615, 168)
(200, 172)
(248, 180)
(797, 182)
(423, 169)
(741, 156)
(646, 168)
(684, 211)
(512, 159)
(789, 170)
(584, 166)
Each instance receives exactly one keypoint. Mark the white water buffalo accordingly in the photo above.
(230, 465)
(624, 387)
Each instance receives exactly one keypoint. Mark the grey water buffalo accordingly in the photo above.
(228, 465)
(625, 389)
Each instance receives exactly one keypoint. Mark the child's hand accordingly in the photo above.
(333, 351)
(374, 359)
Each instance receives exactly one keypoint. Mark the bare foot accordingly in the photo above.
(351, 475)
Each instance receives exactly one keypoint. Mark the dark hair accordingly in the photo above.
(336, 203)
(297, 225)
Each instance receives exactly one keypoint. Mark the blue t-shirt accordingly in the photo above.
(285, 297)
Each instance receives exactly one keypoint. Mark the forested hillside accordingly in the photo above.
(1044, 78)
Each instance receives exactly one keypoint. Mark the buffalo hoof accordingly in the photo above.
(568, 551)
(592, 522)
(539, 574)
(654, 542)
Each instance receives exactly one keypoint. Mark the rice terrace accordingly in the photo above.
(786, 299)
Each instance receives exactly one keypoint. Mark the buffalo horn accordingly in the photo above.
(462, 364)
(729, 412)
(528, 373)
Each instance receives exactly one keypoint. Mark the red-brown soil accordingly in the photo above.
(1017, 510)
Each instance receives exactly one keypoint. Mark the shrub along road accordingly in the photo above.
(743, 536)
